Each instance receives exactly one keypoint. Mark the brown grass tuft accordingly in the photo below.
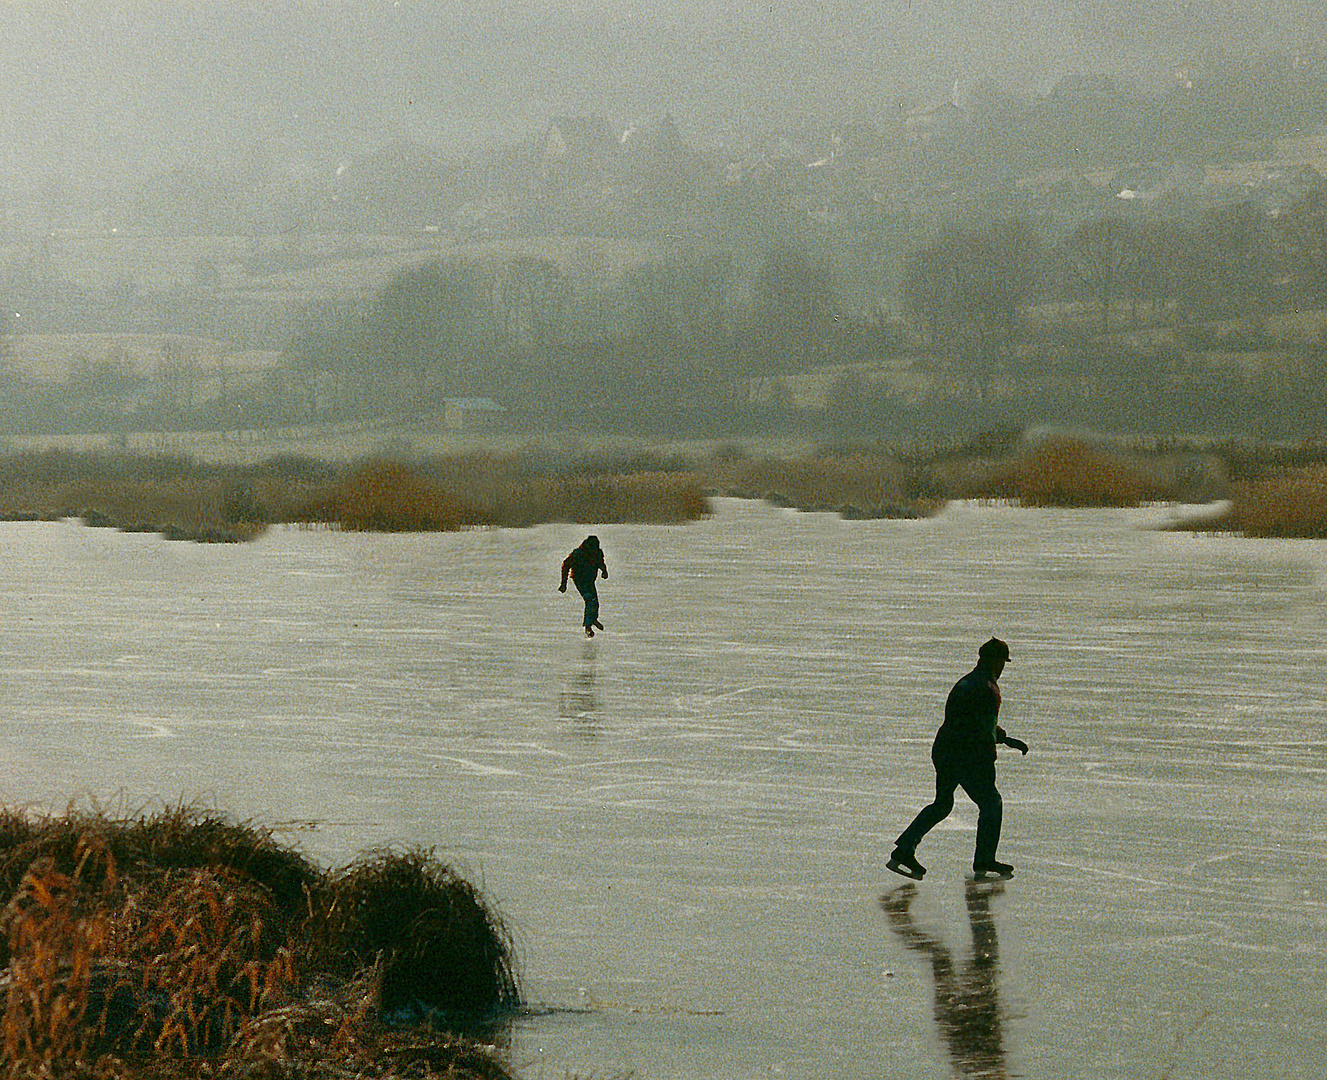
(1066, 472)
(179, 944)
(441, 947)
(853, 483)
(385, 496)
(1286, 504)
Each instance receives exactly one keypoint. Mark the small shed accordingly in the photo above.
(470, 413)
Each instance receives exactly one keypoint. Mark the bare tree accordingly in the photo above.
(1100, 258)
(1304, 231)
(532, 299)
(968, 292)
(428, 322)
(1243, 264)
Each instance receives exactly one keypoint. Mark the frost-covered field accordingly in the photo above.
(686, 819)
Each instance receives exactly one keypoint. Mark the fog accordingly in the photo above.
(95, 89)
(616, 231)
(843, 219)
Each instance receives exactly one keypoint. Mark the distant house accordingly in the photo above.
(1067, 196)
(1092, 86)
(1279, 188)
(661, 137)
(940, 121)
(471, 414)
(571, 138)
(1144, 184)
(654, 165)
(578, 154)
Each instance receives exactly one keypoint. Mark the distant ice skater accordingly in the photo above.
(964, 756)
(585, 564)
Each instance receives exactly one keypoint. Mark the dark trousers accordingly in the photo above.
(591, 597)
(978, 780)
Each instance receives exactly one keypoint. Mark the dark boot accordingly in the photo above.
(905, 863)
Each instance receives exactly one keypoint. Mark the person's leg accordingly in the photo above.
(979, 783)
(591, 598)
(929, 816)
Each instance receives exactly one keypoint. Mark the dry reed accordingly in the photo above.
(185, 499)
(853, 483)
(1286, 504)
(179, 944)
(1066, 472)
(388, 496)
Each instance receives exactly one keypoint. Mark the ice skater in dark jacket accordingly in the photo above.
(585, 564)
(964, 756)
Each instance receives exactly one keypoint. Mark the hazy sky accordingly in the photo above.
(101, 88)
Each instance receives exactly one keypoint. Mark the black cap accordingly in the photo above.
(994, 649)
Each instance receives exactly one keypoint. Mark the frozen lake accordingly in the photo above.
(686, 820)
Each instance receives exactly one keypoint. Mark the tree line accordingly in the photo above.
(974, 295)
(1126, 321)
(1010, 321)
(670, 341)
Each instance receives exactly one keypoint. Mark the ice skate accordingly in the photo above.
(905, 863)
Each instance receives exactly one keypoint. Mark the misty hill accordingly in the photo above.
(101, 94)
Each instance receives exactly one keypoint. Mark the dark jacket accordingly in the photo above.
(969, 732)
(584, 564)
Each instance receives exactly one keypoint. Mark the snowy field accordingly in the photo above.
(686, 819)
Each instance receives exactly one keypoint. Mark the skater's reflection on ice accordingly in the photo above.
(967, 1001)
(579, 700)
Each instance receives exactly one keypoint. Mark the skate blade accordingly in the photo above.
(905, 871)
(990, 875)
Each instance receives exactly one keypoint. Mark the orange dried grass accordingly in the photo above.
(1067, 472)
(386, 496)
(1287, 504)
(179, 967)
(169, 947)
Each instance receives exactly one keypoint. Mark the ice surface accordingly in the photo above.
(686, 819)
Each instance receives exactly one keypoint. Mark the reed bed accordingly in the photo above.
(176, 496)
(188, 500)
(877, 483)
(388, 496)
(179, 944)
(1292, 503)
(853, 483)
(185, 499)
(1069, 473)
